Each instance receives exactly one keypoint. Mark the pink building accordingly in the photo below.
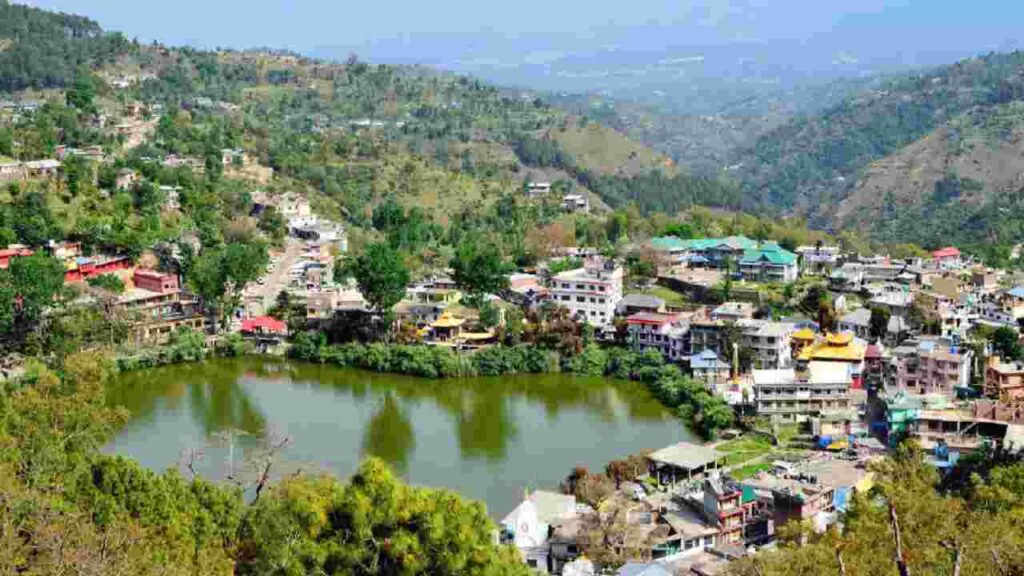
(154, 281)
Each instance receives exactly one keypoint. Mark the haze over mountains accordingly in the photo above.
(703, 57)
(840, 114)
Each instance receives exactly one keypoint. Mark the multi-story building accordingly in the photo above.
(807, 493)
(591, 293)
(768, 263)
(819, 259)
(729, 506)
(426, 303)
(791, 395)
(1004, 380)
(706, 367)
(932, 366)
(947, 258)
(770, 342)
(665, 333)
(841, 348)
(157, 306)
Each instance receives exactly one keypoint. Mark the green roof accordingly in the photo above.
(748, 494)
(778, 256)
(669, 243)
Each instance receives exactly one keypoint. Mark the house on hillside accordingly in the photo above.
(819, 259)
(947, 258)
(768, 263)
(576, 203)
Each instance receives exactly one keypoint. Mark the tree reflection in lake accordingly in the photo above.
(389, 434)
(486, 437)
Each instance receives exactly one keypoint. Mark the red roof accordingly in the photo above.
(8, 252)
(265, 324)
(650, 318)
(948, 252)
(872, 352)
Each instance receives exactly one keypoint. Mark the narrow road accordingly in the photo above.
(278, 278)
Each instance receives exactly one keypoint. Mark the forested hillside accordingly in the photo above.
(811, 163)
(961, 182)
(44, 50)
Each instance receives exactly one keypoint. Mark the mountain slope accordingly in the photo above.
(955, 184)
(811, 163)
(44, 49)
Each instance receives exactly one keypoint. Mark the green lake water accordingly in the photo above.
(487, 438)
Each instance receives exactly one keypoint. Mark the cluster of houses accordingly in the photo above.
(857, 389)
(572, 203)
(153, 303)
(687, 517)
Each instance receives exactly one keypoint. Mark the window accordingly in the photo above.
(593, 300)
(600, 300)
(565, 298)
(531, 562)
(709, 540)
(581, 299)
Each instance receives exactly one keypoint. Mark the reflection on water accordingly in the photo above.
(486, 437)
(389, 434)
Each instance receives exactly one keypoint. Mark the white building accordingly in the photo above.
(770, 342)
(790, 395)
(591, 293)
(576, 203)
(530, 525)
(819, 259)
(538, 189)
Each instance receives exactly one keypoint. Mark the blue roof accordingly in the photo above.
(841, 498)
(1016, 292)
(706, 359)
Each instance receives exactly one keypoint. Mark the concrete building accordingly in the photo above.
(791, 395)
(768, 263)
(840, 348)
(770, 341)
(576, 203)
(633, 303)
(665, 333)
(932, 366)
(819, 259)
(815, 491)
(591, 293)
(1004, 380)
(708, 368)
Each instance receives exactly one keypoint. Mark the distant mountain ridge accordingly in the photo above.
(811, 164)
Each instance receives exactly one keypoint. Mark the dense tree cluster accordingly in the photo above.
(67, 507)
(46, 49)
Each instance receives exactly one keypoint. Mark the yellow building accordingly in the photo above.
(838, 347)
(801, 339)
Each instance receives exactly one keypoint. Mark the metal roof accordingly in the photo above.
(686, 455)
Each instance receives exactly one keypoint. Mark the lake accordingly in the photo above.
(487, 438)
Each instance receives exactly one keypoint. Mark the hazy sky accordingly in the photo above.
(551, 36)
